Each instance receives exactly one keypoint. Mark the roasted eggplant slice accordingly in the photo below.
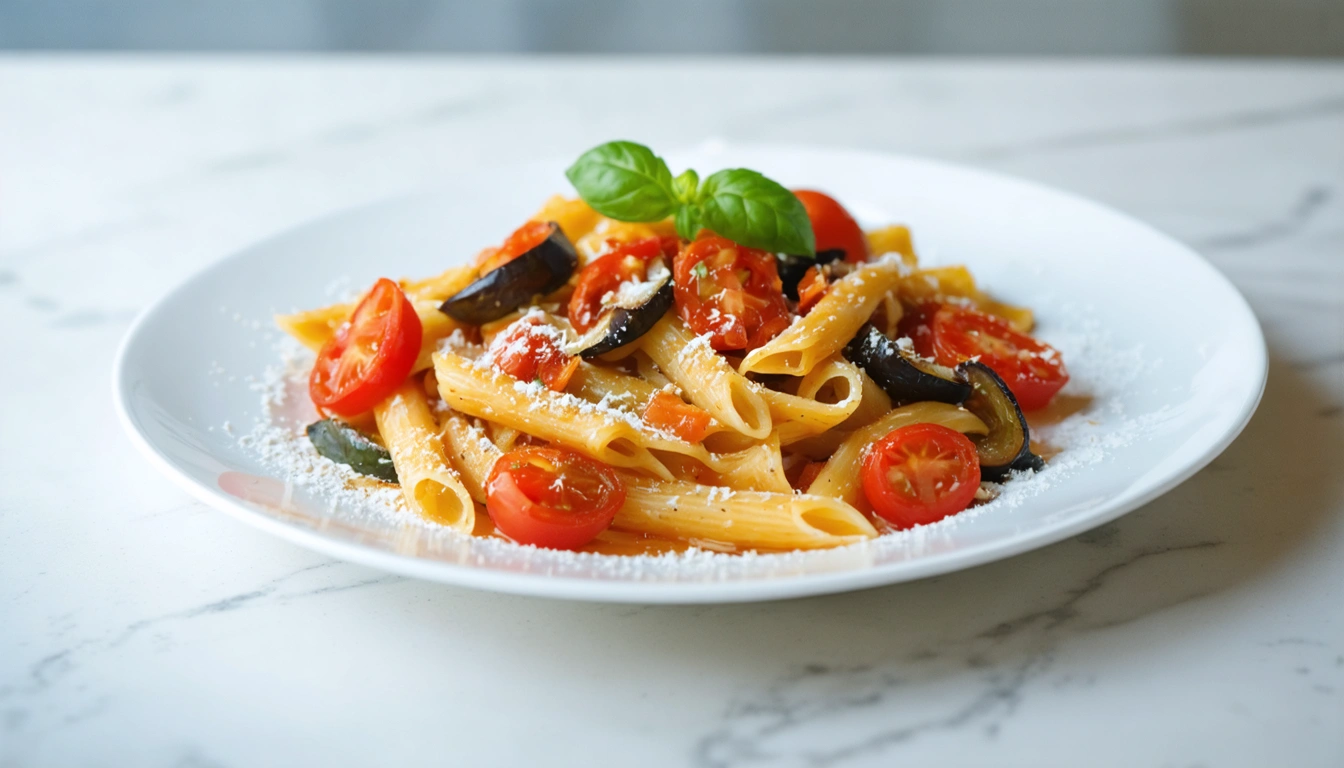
(905, 376)
(542, 269)
(792, 268)
(1008, 444)
(344, 444)
(634, 311)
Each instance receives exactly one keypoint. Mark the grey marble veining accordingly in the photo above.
(137, 627)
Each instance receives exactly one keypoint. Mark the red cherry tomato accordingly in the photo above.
(625, 263)
(920, 474)
(369, 355)
(833, 226)
(1033, 370)
(523, 239)
(529, 350)
(916, 323)
(668, 412)
(552, 497)
(730, 292)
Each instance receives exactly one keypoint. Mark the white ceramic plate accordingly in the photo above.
(1167, 360)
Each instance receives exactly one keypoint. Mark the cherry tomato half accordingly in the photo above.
(1033, 370)
(916, 323)
(523, 239)
(552, 497)
(625, 263)
(833, 226)
(730, 292)
(369, 355)
(529, 350)
(920, 474)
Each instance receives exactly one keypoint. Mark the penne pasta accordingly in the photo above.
(470, 451)
(758, 468)
(825, 398)
(743, 519)
(442, 286)
(892, 239)
(605, 433)
(504, 438)
(706, 379)
(604, 385)
(575, 217)
(830, 324)
(430, 485)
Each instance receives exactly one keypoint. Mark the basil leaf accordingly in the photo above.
(625, 181)
(688, 222)
(685, 186)
(344, 444)
(746, 207)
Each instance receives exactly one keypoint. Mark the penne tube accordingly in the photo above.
(442, 286)
(575, 217)
(648, 371)
(758, 468)
(504, 438)
(830, 324)
(744, 519)
(430, 485)
(874, 403)
(892, 239)
(604, 385)
(603, 433)
(825, 398)
(840, 479)
(470, 451)
(607, 434)
(706, 379)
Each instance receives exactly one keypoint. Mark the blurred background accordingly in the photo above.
(1295, 28)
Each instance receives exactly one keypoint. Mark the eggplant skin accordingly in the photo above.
(1007, 447)
(344, 444)
(502, 290)
(792, 268)
(904, 378)
(622, 325)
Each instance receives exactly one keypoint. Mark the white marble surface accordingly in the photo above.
(139, 628)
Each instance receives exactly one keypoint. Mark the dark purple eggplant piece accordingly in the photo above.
(629, 319)
(903, 375)
(1007, 447)
(792, 268)
(500, 291)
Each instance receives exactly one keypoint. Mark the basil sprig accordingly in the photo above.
(626, 181)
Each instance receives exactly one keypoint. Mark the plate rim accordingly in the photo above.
(697, 592)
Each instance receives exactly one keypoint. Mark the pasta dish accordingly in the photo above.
(667, 362)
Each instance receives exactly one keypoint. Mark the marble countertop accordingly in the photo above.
(138, 627)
